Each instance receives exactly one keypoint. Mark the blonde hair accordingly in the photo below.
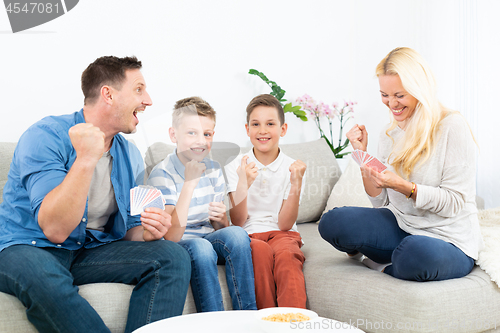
(191, 106)
(422, 130)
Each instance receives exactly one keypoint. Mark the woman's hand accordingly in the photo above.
(358, 137)
(379, 179)
(386, 179)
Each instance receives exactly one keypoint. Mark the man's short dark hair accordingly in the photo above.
(108, 70)
(266, 100)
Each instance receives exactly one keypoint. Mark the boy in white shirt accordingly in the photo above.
(193, 187)
(264, 188)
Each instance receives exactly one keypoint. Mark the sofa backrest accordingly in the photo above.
(321, 175)
(6, 153)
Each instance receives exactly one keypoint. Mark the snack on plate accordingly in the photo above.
(286, 317)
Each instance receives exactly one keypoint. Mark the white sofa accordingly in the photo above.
(337, 287)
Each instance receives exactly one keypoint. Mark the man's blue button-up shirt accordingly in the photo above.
(43, 157)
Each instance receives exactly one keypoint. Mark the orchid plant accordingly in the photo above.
(317, 111)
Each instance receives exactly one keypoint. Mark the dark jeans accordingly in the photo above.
(46, 281)
(375, 233)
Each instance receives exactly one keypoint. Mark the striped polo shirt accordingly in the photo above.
(168, 177)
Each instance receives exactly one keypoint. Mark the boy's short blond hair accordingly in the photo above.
(194, 106)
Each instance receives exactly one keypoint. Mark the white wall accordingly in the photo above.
(328, 49)
(487, 110)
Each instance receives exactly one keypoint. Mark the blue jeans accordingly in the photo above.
(375, 233)
(232, 246)
(46, 281)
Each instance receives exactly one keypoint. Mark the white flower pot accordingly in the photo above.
(342, 162)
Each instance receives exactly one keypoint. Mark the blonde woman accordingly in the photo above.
(424, 224)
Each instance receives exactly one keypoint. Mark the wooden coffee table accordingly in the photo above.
(242, 321)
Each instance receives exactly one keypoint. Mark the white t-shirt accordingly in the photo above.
(101, 198)
(266, 195)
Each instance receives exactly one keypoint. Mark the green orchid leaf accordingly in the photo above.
(342, 155)
(346, 143)
(328, 142)
(259, 74)
(337, 151)
(288, 107)
(279, 93)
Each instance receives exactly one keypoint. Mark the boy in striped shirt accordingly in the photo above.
(193, 187)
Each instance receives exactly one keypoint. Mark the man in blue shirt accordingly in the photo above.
(65, 218)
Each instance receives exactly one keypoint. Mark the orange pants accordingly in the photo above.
(277, 264)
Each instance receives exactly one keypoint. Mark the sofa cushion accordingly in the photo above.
(344, 289)
(156, 153)
(349, 190)
(110, 300)
(13, 315)
(6, 153)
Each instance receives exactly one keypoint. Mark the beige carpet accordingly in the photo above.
(489, 257)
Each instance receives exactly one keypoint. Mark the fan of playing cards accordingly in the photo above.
(362, 157)
(142, 197)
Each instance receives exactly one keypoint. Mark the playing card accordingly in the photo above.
(157, 202)
(142, 197)
(356, 156)
(377, 165)
(132, 197)
(140, 193)
(149, 196)
(362, 157)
